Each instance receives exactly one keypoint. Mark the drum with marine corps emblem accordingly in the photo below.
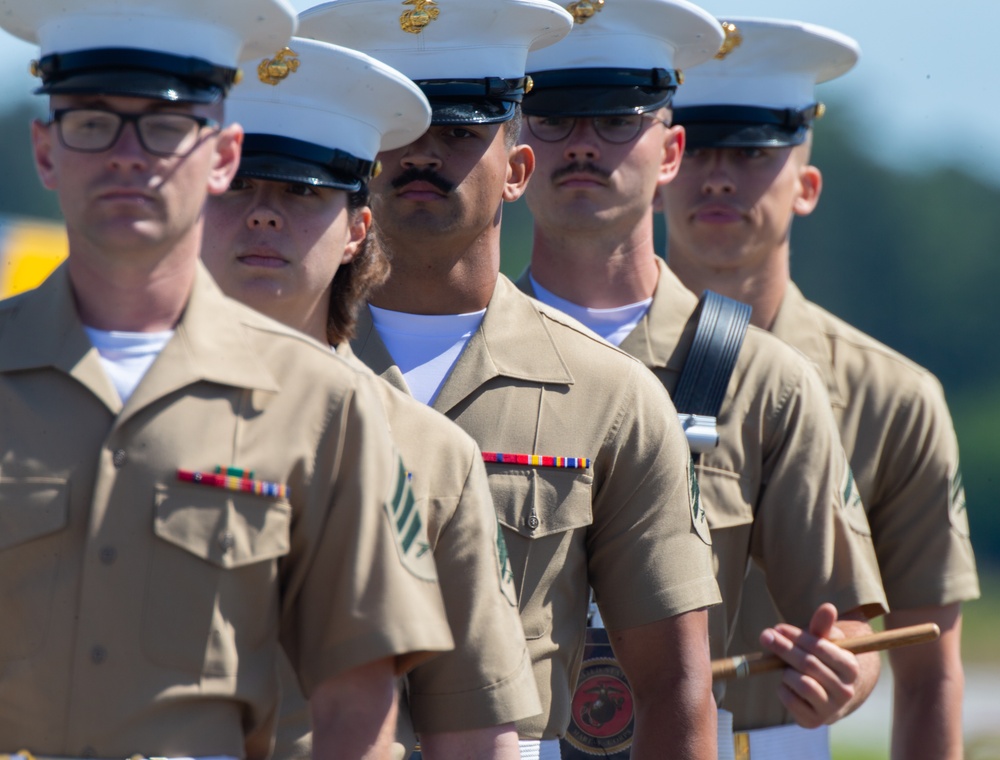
(602, 711)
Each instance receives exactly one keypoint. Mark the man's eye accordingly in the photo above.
(239, 183)
(751, 153)
(301, 188)
(617, 122)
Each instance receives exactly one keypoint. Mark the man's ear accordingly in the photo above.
(810, 188)
(360, 223)
(520, 167)
(41, 147)
(226, 160)
(673, 152)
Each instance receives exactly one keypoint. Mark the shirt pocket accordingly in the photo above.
(34, 513)
(211, 589)
(545, 513)
(724, 498)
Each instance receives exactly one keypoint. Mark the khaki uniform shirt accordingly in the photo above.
(532, 381)
(774, 487)
(487, 679)
(895, 424)
(142, 613)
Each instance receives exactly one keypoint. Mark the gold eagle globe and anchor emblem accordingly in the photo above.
(584, 9)
(422, 13)
(273, 70)
(733, 40)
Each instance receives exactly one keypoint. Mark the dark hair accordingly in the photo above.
(353, 282)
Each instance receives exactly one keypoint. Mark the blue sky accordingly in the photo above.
(924, 94)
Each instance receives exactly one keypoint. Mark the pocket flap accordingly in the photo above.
(31, 508)
(540, 502)
(226, 528)
(723, 498)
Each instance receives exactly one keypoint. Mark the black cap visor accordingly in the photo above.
(599, 92)
(744, 126)
(134, 84)
(492, 100)
(134, 73)
(284, 159)
(458, 111)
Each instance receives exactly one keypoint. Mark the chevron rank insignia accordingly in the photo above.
(409, 529)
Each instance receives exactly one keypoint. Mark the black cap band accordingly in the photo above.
(722, 126)
(600, 91)
(134, 71)
(488, 88)
(285, 159)
(490, 100)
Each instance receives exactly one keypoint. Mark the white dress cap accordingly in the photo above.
(130, 46)
(485, 42)
(760, 89)
(635, 34)
(622, 56)
(772, 64)
(320, 113)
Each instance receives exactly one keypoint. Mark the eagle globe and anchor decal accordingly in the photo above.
(602, 711)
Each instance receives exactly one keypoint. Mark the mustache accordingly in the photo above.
(580, 167)
(423, 175)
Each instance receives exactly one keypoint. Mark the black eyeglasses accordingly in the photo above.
(93, 130)
(613, 129)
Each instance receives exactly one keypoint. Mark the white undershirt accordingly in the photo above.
(425, 346)
(126, 356)
(614, 325)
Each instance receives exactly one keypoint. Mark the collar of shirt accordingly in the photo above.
(664, 335)
(511, 341)
(798, 326)
(613, 324)
(42, 329)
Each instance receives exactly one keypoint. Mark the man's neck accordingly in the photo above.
(143, 293)
(761, 286)
(598, 272)
(432, 277)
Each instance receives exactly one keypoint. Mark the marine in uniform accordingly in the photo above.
(288, 239)
(587, 463)
(186, 486)
(775, 487)
(748, 118)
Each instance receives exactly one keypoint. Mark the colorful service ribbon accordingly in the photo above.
(536, 460)
(233, 479)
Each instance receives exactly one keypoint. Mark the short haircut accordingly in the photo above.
(512, 128)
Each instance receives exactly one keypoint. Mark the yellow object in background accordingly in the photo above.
(29, 251)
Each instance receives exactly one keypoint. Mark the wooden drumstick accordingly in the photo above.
(747, 665)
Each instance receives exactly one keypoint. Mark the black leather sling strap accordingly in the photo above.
(701, 389)
(601, 712)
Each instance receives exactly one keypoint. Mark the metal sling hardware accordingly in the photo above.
(701, 389)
